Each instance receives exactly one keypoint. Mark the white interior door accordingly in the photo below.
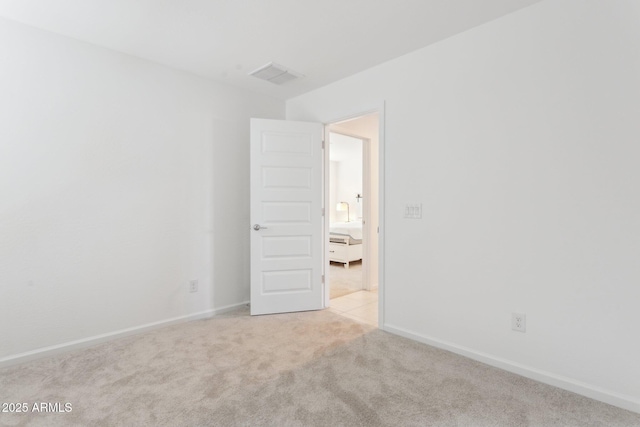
(286, 216)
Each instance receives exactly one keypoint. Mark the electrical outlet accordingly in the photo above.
(193, 286)
(519, 322)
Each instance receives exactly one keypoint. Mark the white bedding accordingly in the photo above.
(351, 228)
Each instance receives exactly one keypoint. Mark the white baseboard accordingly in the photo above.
(588, 390)
(228, 308)
(98, 339)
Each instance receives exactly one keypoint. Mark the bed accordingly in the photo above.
(345, 242)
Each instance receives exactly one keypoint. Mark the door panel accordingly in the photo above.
(286, 247)
(286, 178)
(286, 205)
(286, 213)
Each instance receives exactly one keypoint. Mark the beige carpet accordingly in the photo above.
(304, 369)
(345, 281)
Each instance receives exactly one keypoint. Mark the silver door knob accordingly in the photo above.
(258, 227)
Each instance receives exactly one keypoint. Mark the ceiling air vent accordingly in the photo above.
(275, 73)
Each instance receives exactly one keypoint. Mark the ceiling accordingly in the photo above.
(224, 40)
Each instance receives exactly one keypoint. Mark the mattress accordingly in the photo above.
(352, 229)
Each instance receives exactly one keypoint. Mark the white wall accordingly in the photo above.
(120, 180)
(333, 191)
(520, 138)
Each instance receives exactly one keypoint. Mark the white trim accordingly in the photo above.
(622, 401)
(110, 336)
(326, 285)
(366, 214)
(382, 155)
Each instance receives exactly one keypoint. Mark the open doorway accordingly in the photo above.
(353, 205)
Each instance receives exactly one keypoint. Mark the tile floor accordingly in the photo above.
(361, 306)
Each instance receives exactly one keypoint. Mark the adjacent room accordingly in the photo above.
(347, 287)
(354, 220)
(320, 213)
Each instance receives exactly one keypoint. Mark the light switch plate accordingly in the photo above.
(413, 210)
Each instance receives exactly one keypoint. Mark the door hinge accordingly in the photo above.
(323, 278)
(322, 211)
(323, 144)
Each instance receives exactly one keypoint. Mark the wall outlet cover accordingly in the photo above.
(193, 286)
(519, 322)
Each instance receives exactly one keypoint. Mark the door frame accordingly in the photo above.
(334, 119)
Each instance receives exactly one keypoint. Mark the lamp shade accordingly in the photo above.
(344, 206)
